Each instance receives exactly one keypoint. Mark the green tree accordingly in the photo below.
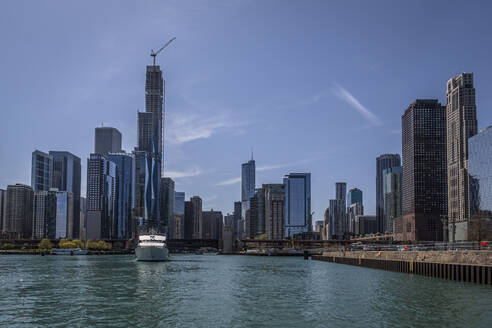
(7, 246)
(98, 245)
(45, 244)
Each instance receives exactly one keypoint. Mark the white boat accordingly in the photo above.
(152, 247)
(68, 251)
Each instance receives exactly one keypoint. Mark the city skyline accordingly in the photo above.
(206, 145)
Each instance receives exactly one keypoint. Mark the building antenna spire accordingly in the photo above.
(251, 153)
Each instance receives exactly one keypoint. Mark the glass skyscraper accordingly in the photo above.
(147, 189)
(122, 227)
(44, 215)
(67, 177)
(383, 162)
(480, 169)
(354, 196)
(41, 171)
(179, 211)
(101, 197)
(297, 203)
(392, 184)
(149, 153)
(64, 214)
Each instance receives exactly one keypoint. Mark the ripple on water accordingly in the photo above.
(228, 291)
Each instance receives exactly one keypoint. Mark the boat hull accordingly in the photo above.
(152, 253)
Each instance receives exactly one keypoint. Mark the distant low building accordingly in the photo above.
(318, 226)
(365, 224)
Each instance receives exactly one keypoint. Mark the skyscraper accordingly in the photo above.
(255, 215)
(44, 215)
(196, 201)
(41, 171)
(424, 172)
(107, 140)
(154, 100)
(258, 208)
(297, 203)
(167, 206)
(392, 184)
(67, 177)
(212, 224)
(383, 162)
(147, 189)
(19, 210)
(83, 215)
(341, 210)
(334, 230)
(274, 210)
(122, 226)
(188, 220)
(353, 211)
(237, 229)
(64, 222)
(149, 152)
(179, 213)
(480, 154)
(3, 210)
(101, 197)
(461, 123)
(354, 196)
(248, 182)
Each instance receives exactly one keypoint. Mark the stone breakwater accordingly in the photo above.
(465, 266)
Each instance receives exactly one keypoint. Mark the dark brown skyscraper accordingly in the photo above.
(424, 172)
(19, 210)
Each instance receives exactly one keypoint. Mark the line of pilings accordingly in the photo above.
(458, 272)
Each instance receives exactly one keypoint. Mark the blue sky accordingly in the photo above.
(312, 86)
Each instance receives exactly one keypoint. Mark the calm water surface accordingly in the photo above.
(228, 291)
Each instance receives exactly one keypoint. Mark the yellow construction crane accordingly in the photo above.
(154, 54)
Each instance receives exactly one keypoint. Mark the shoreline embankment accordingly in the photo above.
(466, 265)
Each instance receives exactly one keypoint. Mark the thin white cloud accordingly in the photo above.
(229, 182)
(183, 174)
(186, 128)
(271, 167)
(352, 101)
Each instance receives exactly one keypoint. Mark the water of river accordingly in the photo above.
(228, 291)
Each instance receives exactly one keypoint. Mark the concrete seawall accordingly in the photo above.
(467, 266)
